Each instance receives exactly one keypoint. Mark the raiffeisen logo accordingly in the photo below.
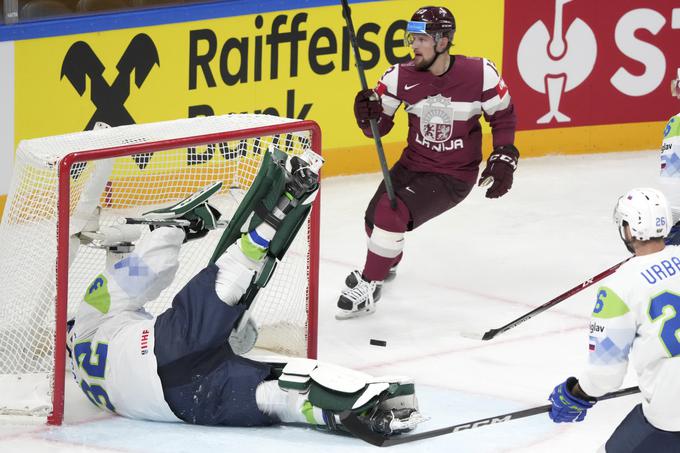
(82, 64)
(558, 63)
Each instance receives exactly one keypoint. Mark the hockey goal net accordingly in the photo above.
(131, 170)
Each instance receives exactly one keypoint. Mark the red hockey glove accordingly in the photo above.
(367, 106)
(500, 166)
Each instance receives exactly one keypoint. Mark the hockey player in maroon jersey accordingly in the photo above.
(444, 96)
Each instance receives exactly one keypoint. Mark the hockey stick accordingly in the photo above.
(164, 222)
(347, 14)
(363, 432)
(489, 334)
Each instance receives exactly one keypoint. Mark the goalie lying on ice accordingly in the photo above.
(180, 366)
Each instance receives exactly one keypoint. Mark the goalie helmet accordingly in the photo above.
(435, 21)
(646, 212)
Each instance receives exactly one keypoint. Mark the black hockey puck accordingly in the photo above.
(378, 342)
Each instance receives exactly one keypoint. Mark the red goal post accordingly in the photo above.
(251, 140)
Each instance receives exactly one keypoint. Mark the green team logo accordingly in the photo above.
(97, 294)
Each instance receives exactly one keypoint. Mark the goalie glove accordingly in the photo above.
(499, 170)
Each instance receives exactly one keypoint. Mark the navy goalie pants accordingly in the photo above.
(204, 382)
(636, 435)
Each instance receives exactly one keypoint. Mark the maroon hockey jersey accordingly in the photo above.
(444, 133)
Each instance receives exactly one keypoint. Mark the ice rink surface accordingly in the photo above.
(477, 267)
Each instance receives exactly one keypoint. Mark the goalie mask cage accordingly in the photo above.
(129, 170)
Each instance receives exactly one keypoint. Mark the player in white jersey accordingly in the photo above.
(669, 179)
(636, 317)
(180, 365)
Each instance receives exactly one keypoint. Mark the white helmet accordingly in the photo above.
(646, 212)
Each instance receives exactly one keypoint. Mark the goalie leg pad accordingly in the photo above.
(269, 200)
(337, 389)
(269, 178)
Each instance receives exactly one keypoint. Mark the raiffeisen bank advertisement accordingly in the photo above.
(576, 70)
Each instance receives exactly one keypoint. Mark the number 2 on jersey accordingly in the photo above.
(670, 327)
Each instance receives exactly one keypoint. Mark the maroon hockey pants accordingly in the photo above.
(420, 197)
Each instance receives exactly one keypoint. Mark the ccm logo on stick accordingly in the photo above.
(489, 421)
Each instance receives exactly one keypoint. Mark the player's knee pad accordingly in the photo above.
(243, 338)
(391, 219)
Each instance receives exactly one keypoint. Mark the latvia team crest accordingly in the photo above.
(436, 121)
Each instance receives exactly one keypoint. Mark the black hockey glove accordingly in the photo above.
(500, 166)
(367, 106)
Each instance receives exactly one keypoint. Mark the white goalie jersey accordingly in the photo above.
(637, 317)
(112, 340)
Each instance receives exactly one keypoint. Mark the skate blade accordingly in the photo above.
(408, 424)
(345, 314)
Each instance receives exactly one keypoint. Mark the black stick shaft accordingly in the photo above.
(374, 124)
(155, 222)
(551, 303)
(492, 420)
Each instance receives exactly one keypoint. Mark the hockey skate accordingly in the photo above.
(391, 422)
(302, 175)
(359, 297)
(355, 277)
(280, 196)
